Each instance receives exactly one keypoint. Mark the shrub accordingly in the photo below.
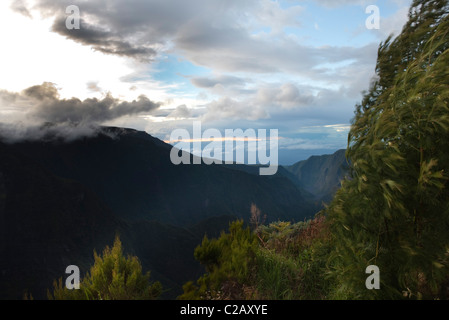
(112, 277)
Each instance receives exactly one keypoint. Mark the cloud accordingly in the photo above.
(42, 104)
(248, 38)
(134, 28)
(393, 24)
(225, 35)
(210, 82)
(339, 3)
(232, 109)
(104, 41)
(259, 104)
(286, 96)
(20, 6)
(42, 92)
(181, 112)
(283, 105)
(18, 132)
(260, 69)
(93, 87)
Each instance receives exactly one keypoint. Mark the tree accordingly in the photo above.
(394, 210)
(228, 261)
(112, 277)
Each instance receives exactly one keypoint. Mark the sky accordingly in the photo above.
(297, 66)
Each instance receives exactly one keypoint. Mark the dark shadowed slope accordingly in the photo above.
(321, 175)
(60, 201)
(133, 174)
(46, 224)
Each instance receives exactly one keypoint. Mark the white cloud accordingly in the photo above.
(258, 68)
(394, 23)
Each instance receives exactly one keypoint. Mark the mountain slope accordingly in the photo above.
(132, 172)
(60, 201)
(46, 224)
(320, 175)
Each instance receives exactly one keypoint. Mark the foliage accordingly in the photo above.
(112, 277)
(228, 261)
(278, 277)
(394, 211)
(288, 262)
(292, 260)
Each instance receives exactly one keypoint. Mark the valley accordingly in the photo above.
(60, 201)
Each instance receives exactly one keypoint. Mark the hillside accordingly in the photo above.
(46, 224)
(317, 178)
(320, 175)
(59, 201)
(132, 172)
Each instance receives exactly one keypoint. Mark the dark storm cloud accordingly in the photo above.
(103, 41)
(42, 104)
(38, 112)
(125, 28)
(47, 106)
(218, 34)
(46, 91)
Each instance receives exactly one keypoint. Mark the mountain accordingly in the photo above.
(132, 172)
(60, 201)
(46, 224)
(320, 175)
(317, 178)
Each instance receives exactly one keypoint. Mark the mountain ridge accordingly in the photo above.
(154, 186)
(321, 175)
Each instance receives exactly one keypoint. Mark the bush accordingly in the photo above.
(228, 261)
(291, 261)
(112, 277)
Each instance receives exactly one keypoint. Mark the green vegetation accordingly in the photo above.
(292, 259)
(278, 261)
(393, 210)
(112, 277)
(394, 213)
(228, 261)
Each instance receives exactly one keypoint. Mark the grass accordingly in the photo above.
(291, 260)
